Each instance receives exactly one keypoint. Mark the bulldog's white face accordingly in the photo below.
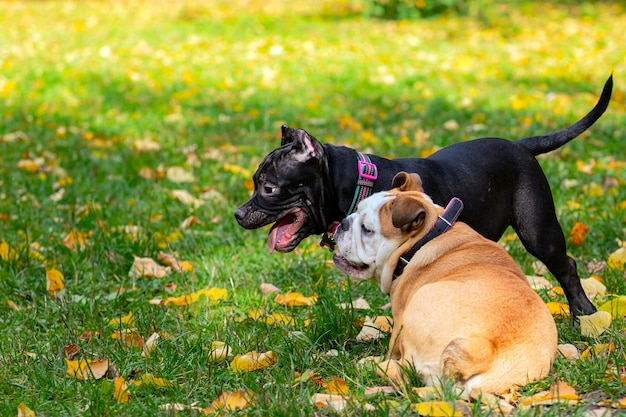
(371, 240)
(361, 240)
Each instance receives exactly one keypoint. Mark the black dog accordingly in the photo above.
(307, 188)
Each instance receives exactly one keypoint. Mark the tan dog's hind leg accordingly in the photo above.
(466, 358)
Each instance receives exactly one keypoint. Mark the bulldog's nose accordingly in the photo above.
(345, 224)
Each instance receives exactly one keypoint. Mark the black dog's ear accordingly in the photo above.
(304, 146)
(407, 213)
(407, 182)
(288, 134)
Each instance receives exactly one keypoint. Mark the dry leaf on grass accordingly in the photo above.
(129, 337)
(127, 320)
(153, 381)
(55, 281)
(437, 409)
(358, 304)
(212, 294)
(337, 386)
(561, 392)
(275, 318)
(569, 351)
(558, 309)
(595, 324)
(253, 361)
(187, 199)
(334, 402)
(219, 350)
(150, 344)
(578, 234)
(593, 287)
(616, 306)
(179, 175)
(267, 289)
(598, 350)
(295, 299)
(76, 240)
(147, 267)
(375, 328)
(121, 393)
(617, 259)
(171, 260)
(231, 401)
(24, 411)
(86, 369)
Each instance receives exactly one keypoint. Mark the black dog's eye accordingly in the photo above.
(268, 189)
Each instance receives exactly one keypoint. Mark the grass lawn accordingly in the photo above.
(130, 129)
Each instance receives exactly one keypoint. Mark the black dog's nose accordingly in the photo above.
(240, 214)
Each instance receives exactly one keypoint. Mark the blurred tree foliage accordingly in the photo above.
(413, 9)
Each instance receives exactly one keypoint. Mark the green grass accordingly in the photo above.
(211, 82)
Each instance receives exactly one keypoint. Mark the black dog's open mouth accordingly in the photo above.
(346, 266)
(281, 235)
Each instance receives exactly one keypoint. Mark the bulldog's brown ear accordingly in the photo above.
(407, 213)
(407, 182)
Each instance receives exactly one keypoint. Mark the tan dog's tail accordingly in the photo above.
(465, 357)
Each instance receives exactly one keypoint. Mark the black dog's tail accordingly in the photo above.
(546, 143)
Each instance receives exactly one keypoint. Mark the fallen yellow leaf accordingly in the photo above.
(123, 320)
(595, 324)
(86, 369)
(212, 294)
(24, 411)
(295, 299)
(375, 328)
(252, 361)
(558, 309)
(219, 350)
(170, 260)
(121, 393)
(153, 381)
(76, 240)
(337, 403)
(186, 198)
(601, 349)
(617, 259)
(593, 287)
(147, 267)
(616, 306)
(337, 386)
(231, 401)
(436, 409)
(7, 253)
(150, 344)
(129, 337)
(55, 281)
(578, 234)
(559, 392)
(27, 165)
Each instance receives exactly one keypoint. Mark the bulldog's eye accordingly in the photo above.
(365, 230)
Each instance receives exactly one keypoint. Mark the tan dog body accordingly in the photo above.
(462, 308)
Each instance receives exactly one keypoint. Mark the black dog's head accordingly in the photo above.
(288, 191)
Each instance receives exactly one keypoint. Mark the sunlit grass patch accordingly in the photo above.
(131, 129)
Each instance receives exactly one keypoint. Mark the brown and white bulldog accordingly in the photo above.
(462, 308)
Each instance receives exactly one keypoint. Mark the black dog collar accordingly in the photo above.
(446, 220)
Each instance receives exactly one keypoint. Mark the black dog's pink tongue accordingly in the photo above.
(283, 230)
(278, 232)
